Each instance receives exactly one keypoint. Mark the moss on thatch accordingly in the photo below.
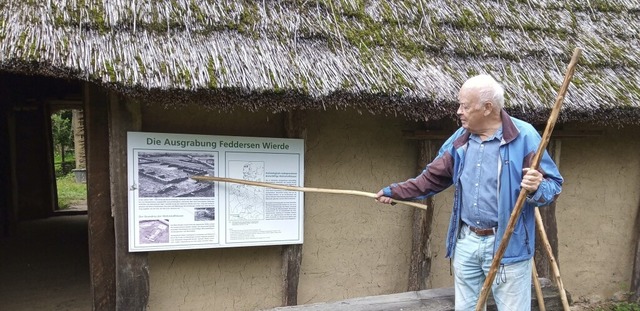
(405, 57)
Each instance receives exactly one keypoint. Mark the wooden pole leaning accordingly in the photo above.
(497, 257)
(552, 260)
(536, 285)
(303, 189)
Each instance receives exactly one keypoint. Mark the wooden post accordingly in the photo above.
(548, 214)
(8, 215)
(5, 194)
(635, 277)
(102, 262)
(292, 254)
(420, 263)
(132, 274)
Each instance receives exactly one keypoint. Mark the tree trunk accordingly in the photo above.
(78, 138)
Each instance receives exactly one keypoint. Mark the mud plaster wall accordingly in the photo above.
(595, 213)
(353, 246)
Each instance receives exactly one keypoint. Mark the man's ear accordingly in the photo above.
(488, 107)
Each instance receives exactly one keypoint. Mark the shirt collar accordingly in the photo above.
(496, 135)
(510, 132)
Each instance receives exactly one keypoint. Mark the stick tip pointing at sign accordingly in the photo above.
(303, 189)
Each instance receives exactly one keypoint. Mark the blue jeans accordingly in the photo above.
(471, 263)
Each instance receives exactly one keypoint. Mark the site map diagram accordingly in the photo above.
(246, 202)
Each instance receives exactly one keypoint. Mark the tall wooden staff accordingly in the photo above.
(486, 287)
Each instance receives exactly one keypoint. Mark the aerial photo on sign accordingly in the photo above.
(167, 174)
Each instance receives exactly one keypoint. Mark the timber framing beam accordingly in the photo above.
(442, 134)
(548, 215)
(132, 274)
(102, 263)
(420, 262)
(635, 277)
(292, 254)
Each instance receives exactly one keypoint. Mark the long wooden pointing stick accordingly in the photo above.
(303, 189)
(515, 214)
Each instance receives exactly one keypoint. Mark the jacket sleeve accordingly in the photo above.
(551, 184)
(437, 176)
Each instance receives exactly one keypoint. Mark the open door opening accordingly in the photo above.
(69, 161)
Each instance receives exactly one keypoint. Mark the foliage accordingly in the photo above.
(64, 168)
(625, 306)
(69, 191)
(62, 132)
(616, 306)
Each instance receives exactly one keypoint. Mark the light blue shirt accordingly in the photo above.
(479, 181)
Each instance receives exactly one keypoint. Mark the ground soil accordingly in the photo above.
(45, 266)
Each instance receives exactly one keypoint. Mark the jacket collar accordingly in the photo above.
(509, 131)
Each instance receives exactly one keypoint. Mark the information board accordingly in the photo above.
(168, 210)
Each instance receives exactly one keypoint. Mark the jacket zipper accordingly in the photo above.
(526, 233)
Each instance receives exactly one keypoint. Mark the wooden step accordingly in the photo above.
(439, 299)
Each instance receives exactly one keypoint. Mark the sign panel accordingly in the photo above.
(168, 210)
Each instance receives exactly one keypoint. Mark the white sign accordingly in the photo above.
(169, 210)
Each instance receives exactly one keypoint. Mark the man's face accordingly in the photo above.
(470, 111)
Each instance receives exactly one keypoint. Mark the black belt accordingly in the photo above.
(481, 232)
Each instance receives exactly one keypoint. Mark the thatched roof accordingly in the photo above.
(406, 57)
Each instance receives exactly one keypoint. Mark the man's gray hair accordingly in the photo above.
(489, 90)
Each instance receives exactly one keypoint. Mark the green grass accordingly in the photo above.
(621, 306)
(63, 169)
(624, 306)
(69, 191)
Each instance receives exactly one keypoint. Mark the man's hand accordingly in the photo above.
(531, 180)
(381, 198)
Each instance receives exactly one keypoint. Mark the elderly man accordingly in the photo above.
(487, 160)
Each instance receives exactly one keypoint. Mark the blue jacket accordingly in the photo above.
(519, 144)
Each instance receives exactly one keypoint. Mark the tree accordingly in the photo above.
(61, 131)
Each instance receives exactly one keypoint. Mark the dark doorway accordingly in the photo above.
(44, 261)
